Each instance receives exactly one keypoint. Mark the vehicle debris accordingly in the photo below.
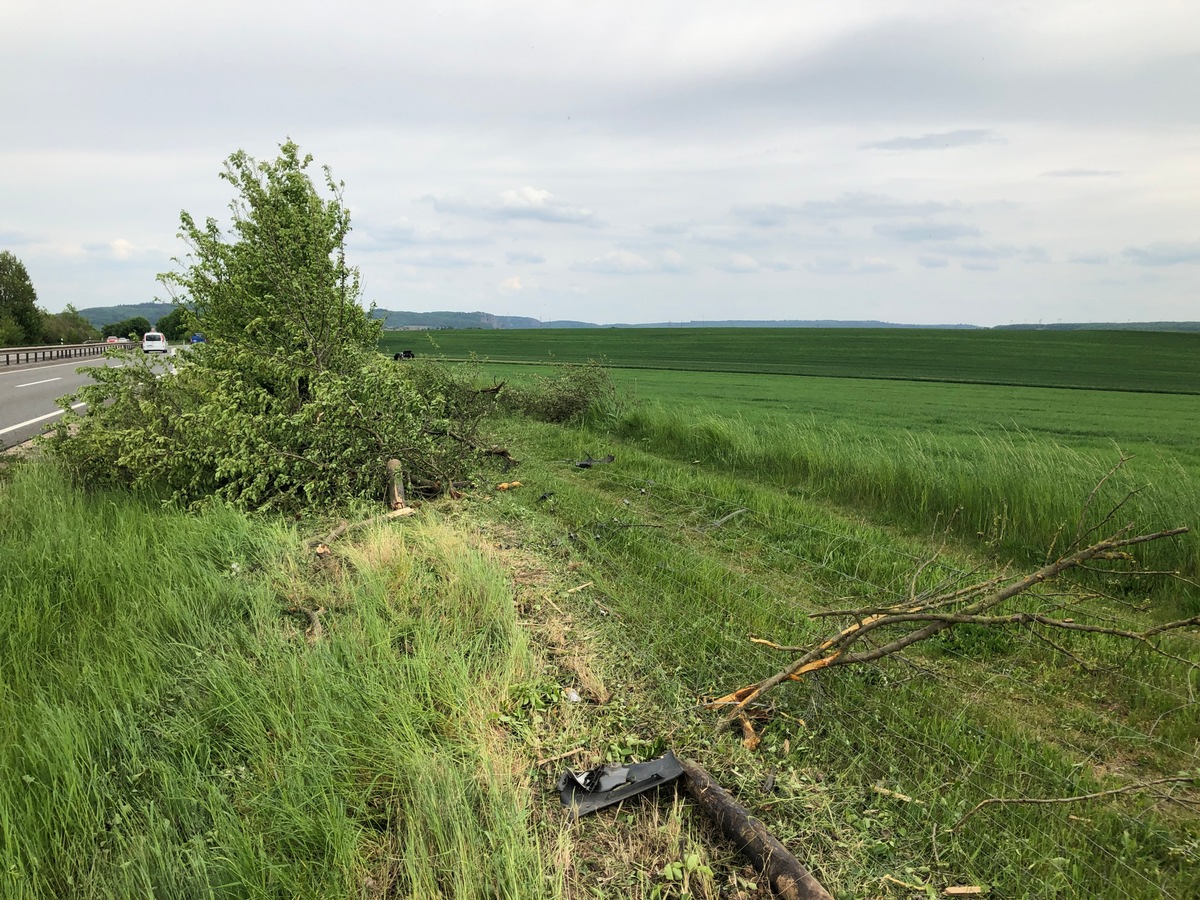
(585, 792)
(589, 462)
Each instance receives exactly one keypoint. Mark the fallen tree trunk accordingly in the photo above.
(787, 877)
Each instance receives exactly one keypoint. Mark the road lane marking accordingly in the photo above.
(39, 419)
(44, 381)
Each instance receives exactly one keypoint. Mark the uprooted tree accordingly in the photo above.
(288, 403)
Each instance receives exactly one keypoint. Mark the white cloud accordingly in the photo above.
(927, 231)
(521, 203)
(122, 249)
(1165, 253)
(616, 262)
(941, 140)
(843, 266)
(788, 140)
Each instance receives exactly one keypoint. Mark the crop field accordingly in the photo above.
(741, 503)
(1106, 360)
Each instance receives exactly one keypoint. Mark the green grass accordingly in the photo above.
(970, 716)
(1101, 360)
(166, 730)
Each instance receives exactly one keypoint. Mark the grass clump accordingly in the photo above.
(167, 730)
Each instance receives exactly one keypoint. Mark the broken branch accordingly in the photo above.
(1176, 779)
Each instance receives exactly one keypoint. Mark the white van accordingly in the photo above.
(154, 342)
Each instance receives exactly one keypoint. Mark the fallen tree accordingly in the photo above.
(288, 403)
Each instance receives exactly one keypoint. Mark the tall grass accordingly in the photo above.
(873, 766)
(165, 730)
(1022, 496)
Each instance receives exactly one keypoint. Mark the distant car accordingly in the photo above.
(113, 339)
(154, 342)
(197, 338)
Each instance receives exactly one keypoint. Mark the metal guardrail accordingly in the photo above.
(17, 355)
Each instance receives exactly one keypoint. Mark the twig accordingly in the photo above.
(550, 759)
(345, 527)
(1176, 779)
(1087, 504)
(721, 521)
(314, 630)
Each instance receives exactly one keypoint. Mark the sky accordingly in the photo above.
(916, 161)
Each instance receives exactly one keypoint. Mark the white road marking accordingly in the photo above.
(44, 381)
(39, 419)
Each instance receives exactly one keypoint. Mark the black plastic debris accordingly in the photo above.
(586, 792)
(589, 462)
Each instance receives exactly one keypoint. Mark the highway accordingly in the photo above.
(27, 395)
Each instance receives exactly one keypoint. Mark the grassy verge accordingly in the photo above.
(167, 730)
(871, 769)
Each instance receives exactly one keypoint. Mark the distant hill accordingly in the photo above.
(1105, 326)
(393, 319)
(399, 319)
(789, 323)
(100, 316)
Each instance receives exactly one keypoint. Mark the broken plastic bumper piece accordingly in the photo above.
(586, 792)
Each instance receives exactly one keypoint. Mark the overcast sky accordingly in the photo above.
(920, 161)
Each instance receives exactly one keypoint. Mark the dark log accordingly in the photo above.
(787, 877)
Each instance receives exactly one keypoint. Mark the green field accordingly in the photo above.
(171, 725)
(849, 487)
(1104, 360)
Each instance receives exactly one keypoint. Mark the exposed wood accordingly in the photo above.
(787, 877)
(395, 485)
(314, 631)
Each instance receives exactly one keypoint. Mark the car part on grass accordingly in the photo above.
(594, 789)
(586, 792)
(589, 462)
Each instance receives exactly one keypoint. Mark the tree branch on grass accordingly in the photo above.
(979, 604)
(1176, 779)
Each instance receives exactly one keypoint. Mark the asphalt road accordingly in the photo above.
(27, 395)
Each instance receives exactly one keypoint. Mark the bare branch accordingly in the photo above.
(1177, 779)
(974, 602)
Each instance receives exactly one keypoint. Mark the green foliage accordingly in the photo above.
(132, 328)
(67, 327)
(288, 404)
(864, 762)
(175, 325)
(278, 287)
(570, 393)
(20, 319)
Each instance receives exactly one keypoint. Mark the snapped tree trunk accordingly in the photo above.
(787, 877)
